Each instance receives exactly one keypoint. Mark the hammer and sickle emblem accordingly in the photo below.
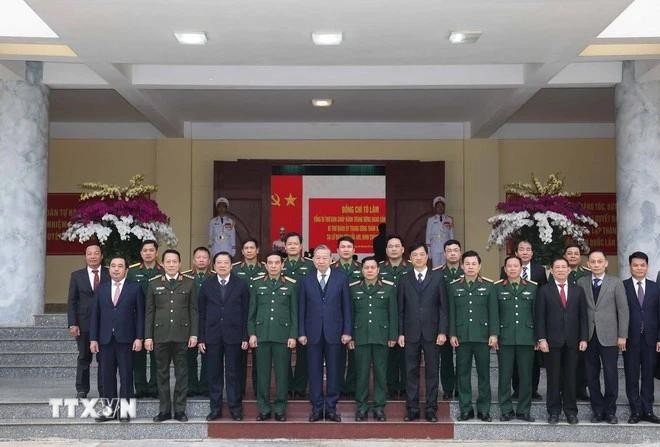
(275, 200)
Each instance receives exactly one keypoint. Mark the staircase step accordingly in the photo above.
(34, 333)
(45, 345)
(40, 359)
(51, 320)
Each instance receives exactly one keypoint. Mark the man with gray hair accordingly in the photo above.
(324, 325)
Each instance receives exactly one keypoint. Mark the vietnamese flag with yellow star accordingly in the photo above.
(286, 204)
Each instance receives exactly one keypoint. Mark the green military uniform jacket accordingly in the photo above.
(199, 277)
(393, 273)
(516, 312)
(448, 275)
(375, 317)
(171, 309)
(473, 311)
(297, 269)
(354, 270)
(141, 274)
(242, 270)
(273, 311)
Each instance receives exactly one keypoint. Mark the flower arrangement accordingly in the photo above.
(119, 218)
(543, 214)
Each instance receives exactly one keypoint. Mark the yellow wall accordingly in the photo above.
(476, 171)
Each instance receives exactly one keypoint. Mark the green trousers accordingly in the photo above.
(277, 355)
(348, 379)
(464, 354)
(167, 353)
(396, 370)
(366, 356)
(523, 357)
(144, 384)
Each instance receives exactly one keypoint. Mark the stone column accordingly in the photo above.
(23, 184)
(638, 168)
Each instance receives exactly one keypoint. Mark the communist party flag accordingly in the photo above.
(286, 195)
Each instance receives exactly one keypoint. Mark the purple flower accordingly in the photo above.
(143, 209)
(558, 204)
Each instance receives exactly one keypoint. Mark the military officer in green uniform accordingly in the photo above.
(141, 273)
(353, 270)
(391, 270)
(473, 329)
(170, 329)
(248, 269)
(273, 330)
(515, 298)
(296, 266)
(375, 328)
(451, 271)
(197, 381)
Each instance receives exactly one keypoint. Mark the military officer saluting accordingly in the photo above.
(375, 328)
(170, 329)
(273, 330)
(516, 298)
(439, 229)
(249, 267)
(451, 271)
(201, 271)
(473, 329)
(222, 231)
(141, 273)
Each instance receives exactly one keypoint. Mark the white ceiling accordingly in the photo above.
(395, 63)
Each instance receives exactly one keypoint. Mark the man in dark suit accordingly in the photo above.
(82, 285)
(324, 326)
(423, 326)
(223, 310)
(116, 329)
(643, 339)
(536, 272)
(607, 318)
(561, 330)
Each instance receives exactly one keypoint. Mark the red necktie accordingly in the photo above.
(115, 297)
(97, 280)
(562, 295)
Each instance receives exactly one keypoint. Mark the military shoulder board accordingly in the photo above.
(137, 264)
(487, 279)
(499, 282)
(389, 283)
(156, 277)
(185, 275)
(532, 282)
(438, 267)
(289, 279)
(355, 283)
(236, 263)
(456, 280)
(258, 277)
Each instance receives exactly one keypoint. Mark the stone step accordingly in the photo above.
(40, 359)
(51, 320)
(34, 333)
(17, 346)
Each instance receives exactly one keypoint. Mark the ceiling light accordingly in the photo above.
(322, 102)
(464, 36)
(191, 38)
(19, 20)
(327, 38)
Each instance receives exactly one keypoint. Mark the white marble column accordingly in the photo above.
(638, 168)
(23, 184)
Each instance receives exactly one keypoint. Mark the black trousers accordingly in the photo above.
(413, 353)
(602, 404)
(117, 357)
(560, 370)
(639, 360)
(224, 365)
(83, 365)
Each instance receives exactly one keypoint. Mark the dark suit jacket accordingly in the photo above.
(423, 312)
(223, 320)
(327, 312)
(125, 321)
(537, 274)
(649, 313)
(81, 296)
(559, 326)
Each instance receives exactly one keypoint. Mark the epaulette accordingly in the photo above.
(185, 275)
(381, 262)
(385, 281)
(156, 277)
(438, 267)
(260, 276)
(531, 282)
(213, 272)
(186, 272)
(309, 259)
(289, 279)
(585, 268)
(499, 282)
(236, 263)
(456, 280)
(354, 283)
(137, 264)
(263, 262)
(486, 279)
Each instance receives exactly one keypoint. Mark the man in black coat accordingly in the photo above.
(423, 326)
(82, 285)
(561, 330)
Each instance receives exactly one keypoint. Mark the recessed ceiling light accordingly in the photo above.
(19, 20)
(191, 38)
(327, 38)
(322, 102)
(464, 36)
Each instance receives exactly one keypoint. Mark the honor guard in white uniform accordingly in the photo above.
(439, 229)
(222, 231)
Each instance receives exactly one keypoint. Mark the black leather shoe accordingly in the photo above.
(411, 415)
(360, 416)
(263, 416)
(525, 417)
(431, 417)
(160, 417)
(611, 419)
(446, 396)
(81, 395)
(484, 417)
(237, 416)
(553, 419)
(466, 416)
(650, 417)
(596, 418)
(507, 417)
(181, 417)
(313, 417)
(213, 415)
(103, 418)
(634, 418)
(127, 418)
(379, 416)
(280, 417)
(514, 395)
(582, 397)
(572, 419)
(536, 396)
(333, 417)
